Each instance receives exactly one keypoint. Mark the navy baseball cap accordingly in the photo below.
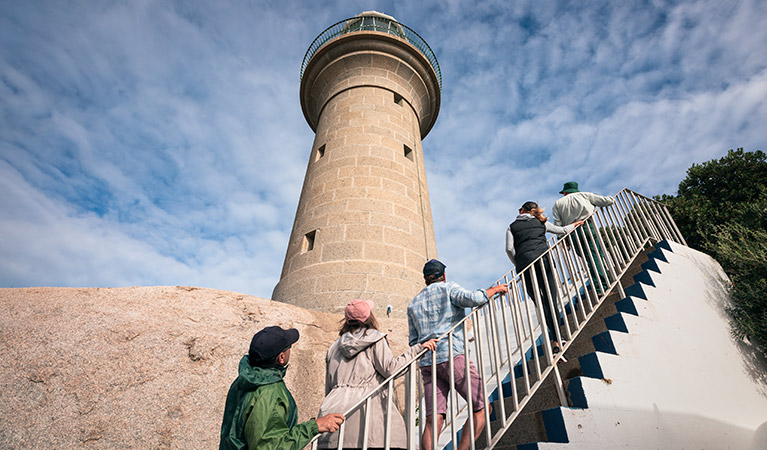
(270, 342)
(433, 268)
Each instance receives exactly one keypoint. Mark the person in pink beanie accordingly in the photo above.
(357, 362)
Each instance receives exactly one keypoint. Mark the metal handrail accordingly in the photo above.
(376, 24)
(508, 330)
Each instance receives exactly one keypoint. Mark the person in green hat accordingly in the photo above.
(574, 206)
(260, 412)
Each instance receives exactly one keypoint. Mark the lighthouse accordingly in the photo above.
(370, 90)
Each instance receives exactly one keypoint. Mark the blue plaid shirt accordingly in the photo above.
(436, 309)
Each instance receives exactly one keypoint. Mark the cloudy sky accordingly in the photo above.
(154, 142)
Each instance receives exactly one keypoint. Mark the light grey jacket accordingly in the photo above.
(577, 206)
(357, 363)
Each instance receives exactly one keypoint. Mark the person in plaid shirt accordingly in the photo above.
(431, 313)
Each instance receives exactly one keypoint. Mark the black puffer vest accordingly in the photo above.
(529, 240)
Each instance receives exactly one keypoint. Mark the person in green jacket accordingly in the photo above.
(260, 412)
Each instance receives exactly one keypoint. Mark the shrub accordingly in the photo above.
(742, 252)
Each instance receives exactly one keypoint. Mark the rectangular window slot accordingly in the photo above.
(397, 98)
(309, 241)
(408, 152)
(320, 152)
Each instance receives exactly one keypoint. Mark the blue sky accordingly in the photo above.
(156, 142)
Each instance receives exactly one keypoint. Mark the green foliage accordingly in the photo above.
(721, 208)
(742, 252)
(717, 192)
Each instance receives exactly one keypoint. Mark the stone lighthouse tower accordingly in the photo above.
(370, 90)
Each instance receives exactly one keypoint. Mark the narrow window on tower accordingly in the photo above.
(397, 98)
(320, 152)
(408, 152)
(309, 241)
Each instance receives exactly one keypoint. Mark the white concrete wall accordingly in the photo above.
(680, 380)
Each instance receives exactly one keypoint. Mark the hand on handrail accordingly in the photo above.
(430, 345)
(330, 422)
(499, 289)
(578, 223)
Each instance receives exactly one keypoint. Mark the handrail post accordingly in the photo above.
(467, 374)
(411, 402)
(341, 432)
(453, 396)
(662, 219)
(580, 273)
(547, 351)
(389, 399)
(619, 259)
(478, 339)
(509, 351)
(581, 238)
(637, 216)
(656, 219)
(517, 296)
(608, 265)
(593, 237)
(529, 299)
(434, 431)
(553, 298)
(366, 426)
(563, 255)
(422, 409)
(652, 231)
(629, 222)
(620, 233)
(575, 275)
(676, 228)
(498, 362)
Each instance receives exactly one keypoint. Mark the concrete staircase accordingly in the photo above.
(649, 366)
(654, 369)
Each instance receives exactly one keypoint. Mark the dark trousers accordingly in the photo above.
(588, 238)
(540, 272)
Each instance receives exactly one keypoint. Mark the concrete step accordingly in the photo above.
(607, 319)
(597, 334)
(528, 426)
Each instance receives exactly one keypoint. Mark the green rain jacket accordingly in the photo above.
(261, 414)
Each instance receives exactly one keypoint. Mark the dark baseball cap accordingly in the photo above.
(433, 268)
(270, 342)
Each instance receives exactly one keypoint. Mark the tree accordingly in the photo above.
(717, 192)
(743, 255)
(721, 208)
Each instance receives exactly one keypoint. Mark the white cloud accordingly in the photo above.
(160, 143)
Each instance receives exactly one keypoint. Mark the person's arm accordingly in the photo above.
(412, 331)
(510, 252)
(267, 426)
(464, 298)
(561, 231)
(599, 200)
(498, 289)
(384, 361)
(328, 381)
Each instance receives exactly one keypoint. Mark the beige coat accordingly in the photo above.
(357, 363)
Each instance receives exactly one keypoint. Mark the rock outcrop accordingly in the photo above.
(141, 367)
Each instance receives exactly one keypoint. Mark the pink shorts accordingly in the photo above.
(443, 384)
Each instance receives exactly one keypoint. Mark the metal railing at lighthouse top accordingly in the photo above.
(373, 23)
(507, 338)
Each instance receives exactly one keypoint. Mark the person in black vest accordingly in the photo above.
(525, 242)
